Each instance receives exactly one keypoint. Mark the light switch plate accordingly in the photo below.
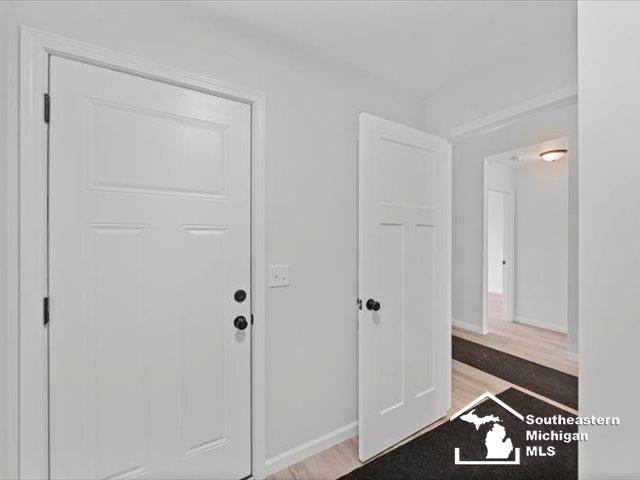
(278, 276)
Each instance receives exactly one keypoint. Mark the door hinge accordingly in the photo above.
(45, 310)
(252, 319)
(359, 302)
(47, 108)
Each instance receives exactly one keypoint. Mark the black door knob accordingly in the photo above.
(372, 305)
(240, 296)
(240, 323)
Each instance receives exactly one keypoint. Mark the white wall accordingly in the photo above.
(609, 123)
(499, 177)
(495, 237)
(5, 433)
(312, 129)
(573, 250)
(468, 165)
(541, 243)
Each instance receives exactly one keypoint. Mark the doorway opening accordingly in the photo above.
(526, 254)
(526, 245)
(527, 249)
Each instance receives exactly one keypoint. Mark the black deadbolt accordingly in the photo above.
(240, 323)
(240, 296)
(372, 305)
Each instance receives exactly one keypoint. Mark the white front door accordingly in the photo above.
(149, 239)
(405, 282)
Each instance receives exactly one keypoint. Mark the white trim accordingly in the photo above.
(541, 324)
(306, 450)
(35, 48)
(496, 121)
(468, 326)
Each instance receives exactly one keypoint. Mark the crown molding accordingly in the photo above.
(496, 121)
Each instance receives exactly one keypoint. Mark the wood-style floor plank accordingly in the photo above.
(532, 343)
(282, 475)
(524, 341)
(539, 345)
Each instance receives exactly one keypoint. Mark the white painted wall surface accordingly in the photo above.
(572, 251)
(468, 165)
(609, 70)
(312, 127)
(5, 433)
(541, 247)
(499, 177)
(495, 234)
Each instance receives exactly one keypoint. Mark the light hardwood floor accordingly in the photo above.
(467, 383)
(538, 345)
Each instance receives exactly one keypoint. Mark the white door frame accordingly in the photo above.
(35, 49)
(509, 224)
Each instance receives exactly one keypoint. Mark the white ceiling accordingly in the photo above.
(529, 155)
(418, 46)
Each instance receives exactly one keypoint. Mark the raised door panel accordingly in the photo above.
(117, 382)
(156, 152)
(389, 321)
(421, 327)
(205, 383)
(408, 171)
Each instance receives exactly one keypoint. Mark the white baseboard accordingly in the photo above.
(572, 356)
(540, 324)
(306, 450)
(467, 326)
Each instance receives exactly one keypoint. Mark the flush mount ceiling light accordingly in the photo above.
(553, 155)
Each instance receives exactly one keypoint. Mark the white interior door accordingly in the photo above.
(149, 232)
(496, 260)
(405, 282)
(507, 264)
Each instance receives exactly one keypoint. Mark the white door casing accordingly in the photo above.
(405, 265)
(149, 239)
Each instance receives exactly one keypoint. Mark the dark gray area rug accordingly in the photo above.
(431, 455)
(551, 383)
